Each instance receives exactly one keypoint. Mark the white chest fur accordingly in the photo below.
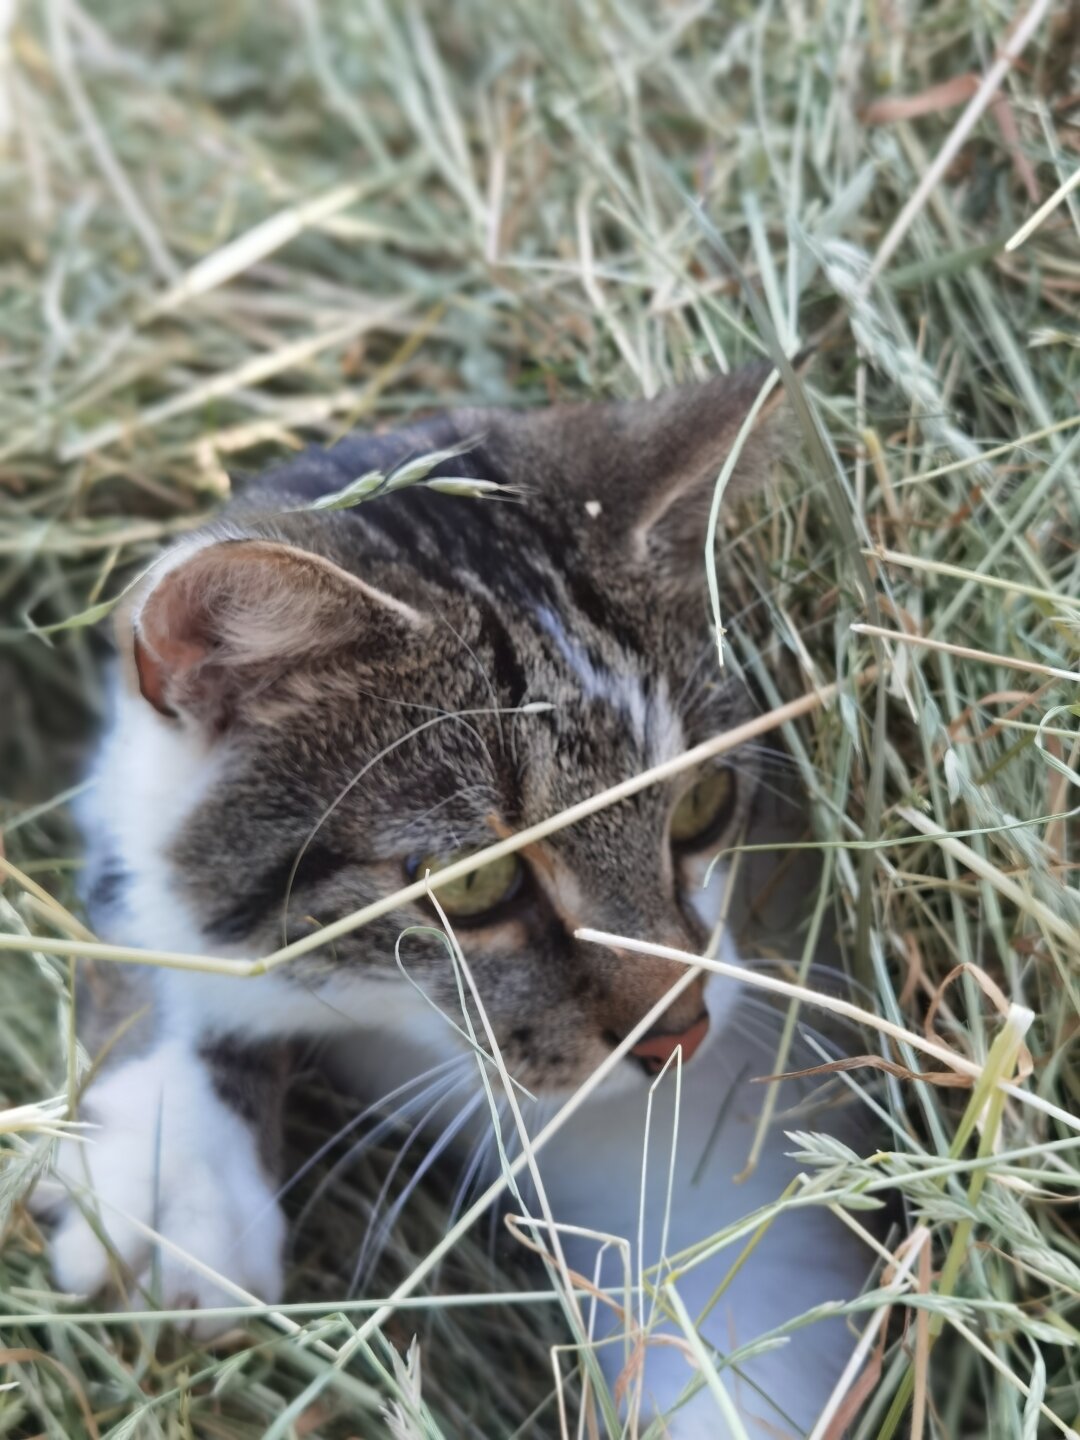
(599, 1179)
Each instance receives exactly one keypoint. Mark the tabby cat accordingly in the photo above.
(314, 707)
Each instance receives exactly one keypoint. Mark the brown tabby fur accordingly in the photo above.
(584, 589)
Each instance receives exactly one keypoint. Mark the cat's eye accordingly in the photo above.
(474, 896)
(704, 810)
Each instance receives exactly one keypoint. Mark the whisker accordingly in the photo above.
(425, 1078)
(485, 678)
(399, 1159)
(378, 1241)
(480, 1155)
(464, 792)
(695, 678)
(764, 1029)
(436, 717)
(769, 757)
(809, 1042)
(763, 1010)
(778, 792)
(385, 1127)
(479, 1158)
(511, 1145)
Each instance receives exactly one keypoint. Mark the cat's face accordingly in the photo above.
(370, 694)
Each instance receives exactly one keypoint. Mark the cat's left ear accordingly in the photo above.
(647, 470)
(681, 441)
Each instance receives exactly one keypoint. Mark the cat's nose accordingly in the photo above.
(656, 1048)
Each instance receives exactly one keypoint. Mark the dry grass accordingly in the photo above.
(228, 229)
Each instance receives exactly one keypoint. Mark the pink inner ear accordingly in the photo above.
(236, 615)
(170, 644)
(155, 670)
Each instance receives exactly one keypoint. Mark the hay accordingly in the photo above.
(226, 230)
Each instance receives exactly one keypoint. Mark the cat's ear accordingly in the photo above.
(650, 467)
(230, 619)
(676, 447)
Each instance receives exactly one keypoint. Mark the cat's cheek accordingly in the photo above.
(705, 891)
(704, 886)
(171, 1177)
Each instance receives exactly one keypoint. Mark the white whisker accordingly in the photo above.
(418, 1129)
(356, 1120)
(386, 1126)
(376, 1240)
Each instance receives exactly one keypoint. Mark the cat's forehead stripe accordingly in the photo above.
(644, 703)
(623, 691)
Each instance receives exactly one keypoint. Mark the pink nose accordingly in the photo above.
(657, 1049)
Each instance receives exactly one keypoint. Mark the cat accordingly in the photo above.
(314, 707)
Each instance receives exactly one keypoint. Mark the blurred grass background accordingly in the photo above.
(229, 229)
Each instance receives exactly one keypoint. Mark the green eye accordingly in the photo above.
(473, 895)
(704, 810)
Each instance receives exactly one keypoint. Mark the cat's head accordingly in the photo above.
(318, 707)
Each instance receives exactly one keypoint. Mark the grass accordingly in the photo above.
(228, 229)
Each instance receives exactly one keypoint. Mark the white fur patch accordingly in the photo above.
(151, 775)
(623, 692)
(592, 1174)
(706, 898)
(169, 1157)
(665, 737)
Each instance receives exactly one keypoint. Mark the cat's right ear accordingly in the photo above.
(223, 624)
